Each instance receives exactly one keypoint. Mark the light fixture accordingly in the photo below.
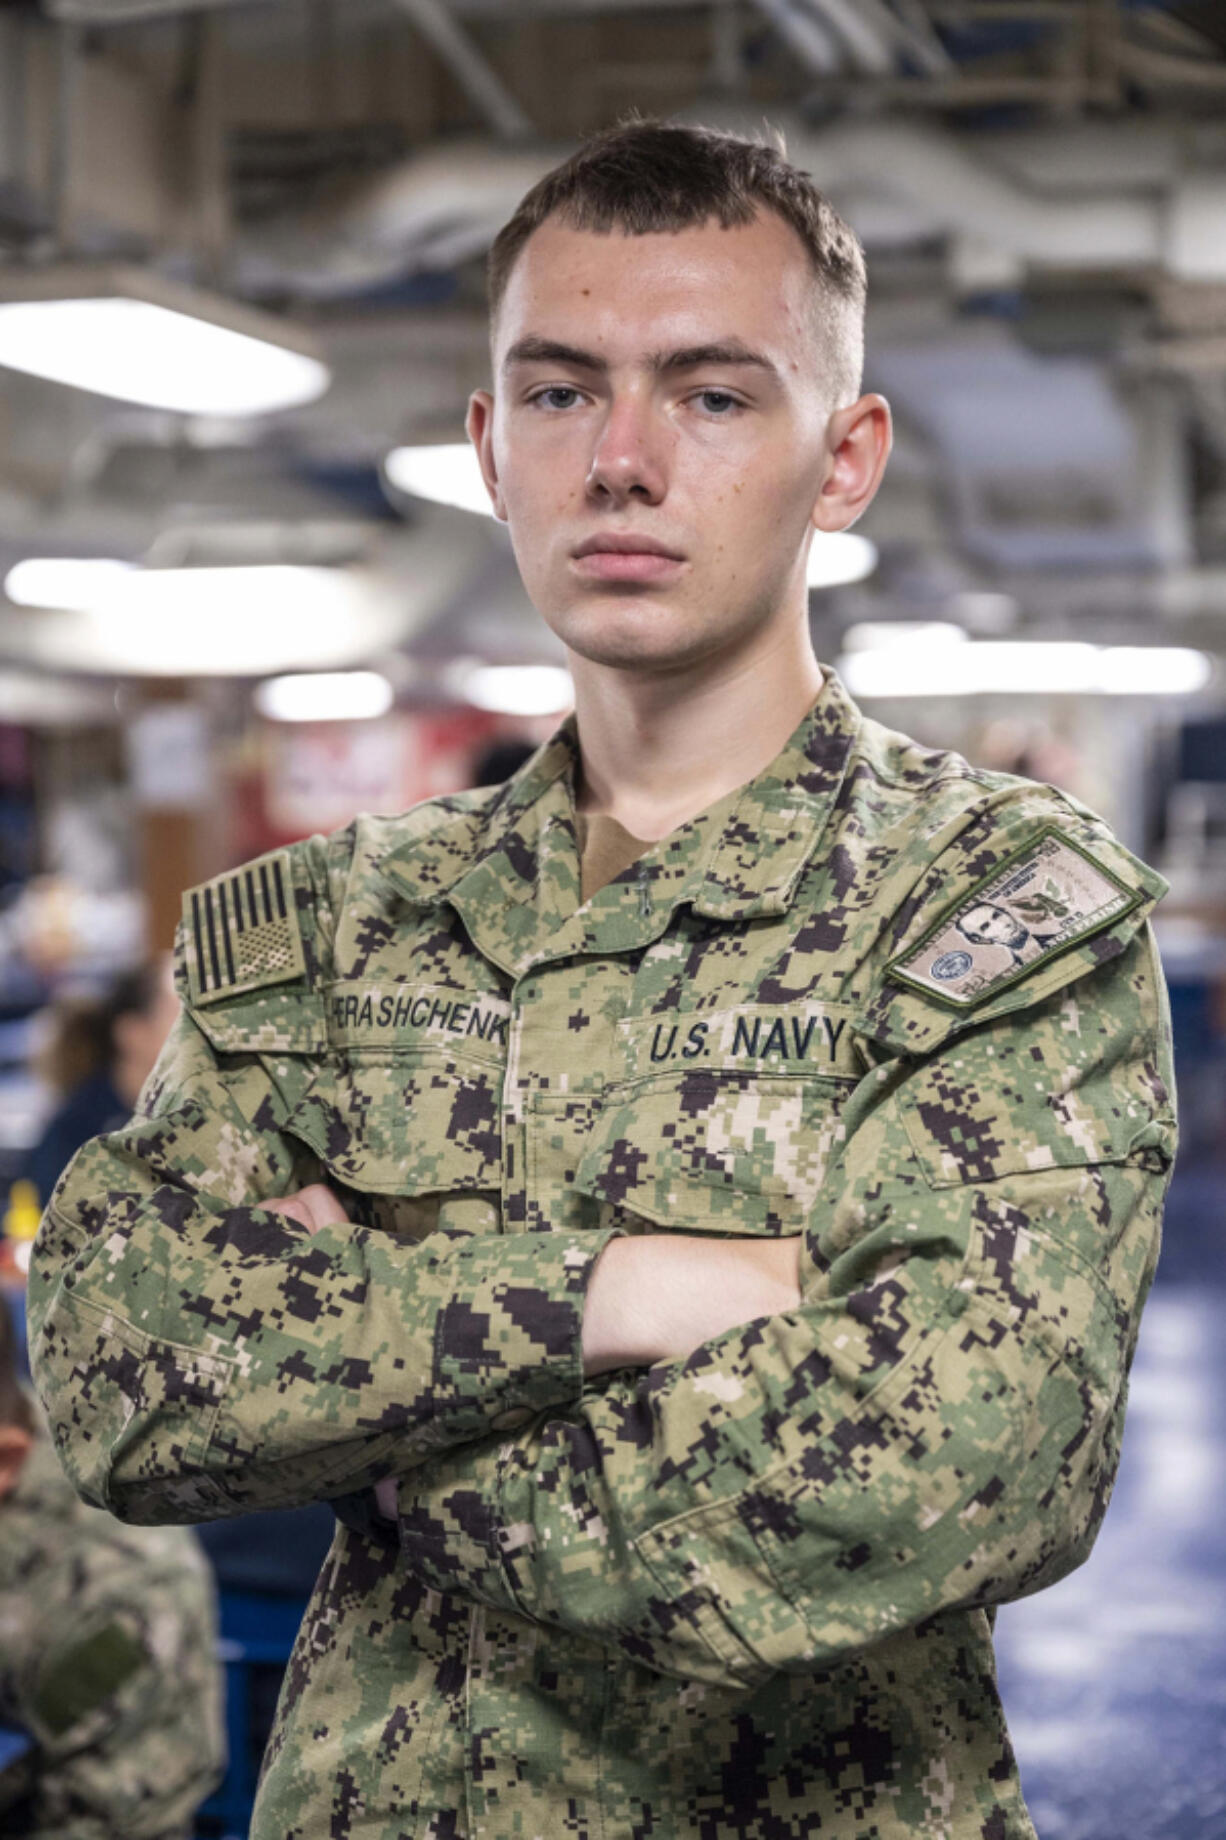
(447, 473)
(512, 689)
(325, 696)
(210, 622)
(72, 582)
(839, 557)
(129, 333)
(1024, 667)
(892, 635)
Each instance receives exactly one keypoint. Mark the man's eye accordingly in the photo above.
(719, 402)
(554, 389)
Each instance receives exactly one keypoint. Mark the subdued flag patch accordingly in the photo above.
(242, 931)
(1047, 896)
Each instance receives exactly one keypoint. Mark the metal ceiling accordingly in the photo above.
(1041, 185)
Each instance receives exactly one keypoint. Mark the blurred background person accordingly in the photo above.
(96, 1055)
(110, 1688)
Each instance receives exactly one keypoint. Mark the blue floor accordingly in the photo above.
(1114, 1681)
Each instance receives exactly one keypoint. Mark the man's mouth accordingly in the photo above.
(626, 556)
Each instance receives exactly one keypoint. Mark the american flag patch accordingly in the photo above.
(242, 931)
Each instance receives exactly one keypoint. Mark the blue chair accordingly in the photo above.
(257, 1632)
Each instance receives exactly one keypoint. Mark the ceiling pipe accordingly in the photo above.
(858, 24)
(481, 85)
(919, 37)
(446, 204)
(127, 12)
(955, 187)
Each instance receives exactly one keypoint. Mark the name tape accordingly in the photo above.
(786, 1037)
(372, 1015)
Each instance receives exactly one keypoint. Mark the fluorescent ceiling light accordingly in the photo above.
(513, 689)
(1035, 667)
(894, 635)
(838, 557)
(447, 473)
(209, 622)
(128, 333)
(325, 696)
(74, 582)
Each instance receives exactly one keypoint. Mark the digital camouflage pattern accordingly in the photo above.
(748, 1594)
(108, 1661)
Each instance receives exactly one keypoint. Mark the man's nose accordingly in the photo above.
(630, 456)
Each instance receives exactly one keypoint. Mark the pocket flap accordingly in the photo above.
(405, 1125)
(716, 1152)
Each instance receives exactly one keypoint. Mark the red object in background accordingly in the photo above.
(16, 756)
(316, 776)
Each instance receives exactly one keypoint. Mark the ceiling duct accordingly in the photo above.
(899, 181)
(440, 207)
(123, 12)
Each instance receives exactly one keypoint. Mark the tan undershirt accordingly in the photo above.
(605, 849)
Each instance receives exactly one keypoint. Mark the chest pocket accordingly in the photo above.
(735, 1135)
(407, 1122)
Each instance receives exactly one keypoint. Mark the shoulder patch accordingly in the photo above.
(1049, 895)
(79, 1680)
(242, 932)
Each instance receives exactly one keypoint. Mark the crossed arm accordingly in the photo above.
(204, 1343)
(933, 1423)
(650, 1299)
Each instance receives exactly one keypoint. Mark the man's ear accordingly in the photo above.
(14, 1449)
(858, 439)
(479, 426)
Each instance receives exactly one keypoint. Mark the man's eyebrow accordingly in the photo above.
(535, 350)
(724, 351)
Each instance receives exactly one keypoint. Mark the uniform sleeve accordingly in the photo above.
(123, 1695)
(937, 1426)
(198, 1355)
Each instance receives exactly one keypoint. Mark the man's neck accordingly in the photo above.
(657, 750)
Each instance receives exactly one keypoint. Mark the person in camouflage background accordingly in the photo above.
(107, 1654)
(706, 1288)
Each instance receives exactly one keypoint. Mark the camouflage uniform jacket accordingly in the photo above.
(904, 1008)
(108, 1661)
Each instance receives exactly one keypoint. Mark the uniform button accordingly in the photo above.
(512, 1419)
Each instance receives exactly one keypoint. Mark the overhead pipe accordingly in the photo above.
(483, 87)
(447, 204)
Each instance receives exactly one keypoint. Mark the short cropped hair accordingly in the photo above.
(643, 176)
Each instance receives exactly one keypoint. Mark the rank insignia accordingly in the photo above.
(242, 931)
(1049, 895)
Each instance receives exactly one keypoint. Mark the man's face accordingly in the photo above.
(989, 925)
(665, 387)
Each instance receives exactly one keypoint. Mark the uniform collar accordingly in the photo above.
(511, 870)
(778, 821)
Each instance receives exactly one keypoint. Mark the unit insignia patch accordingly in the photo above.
(242, 931)
(1047, 896)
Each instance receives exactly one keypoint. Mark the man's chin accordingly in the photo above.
(639, 637)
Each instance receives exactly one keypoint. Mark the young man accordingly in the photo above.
(108, 1660)
(709, 1302)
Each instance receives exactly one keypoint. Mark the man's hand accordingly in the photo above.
(312, 1207)
(658, 1297)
